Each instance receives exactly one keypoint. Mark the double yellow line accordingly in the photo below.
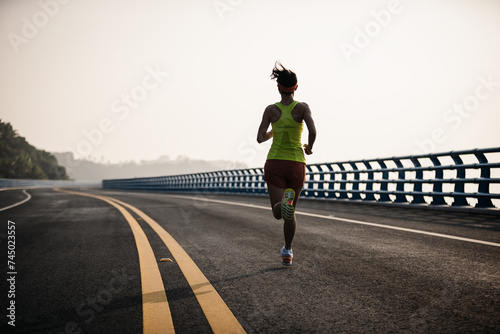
(156, 311)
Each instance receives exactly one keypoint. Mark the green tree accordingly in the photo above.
(20, 160)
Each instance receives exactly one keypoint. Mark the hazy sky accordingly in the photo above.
(132, 80)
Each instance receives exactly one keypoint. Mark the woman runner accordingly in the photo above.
(285, 168)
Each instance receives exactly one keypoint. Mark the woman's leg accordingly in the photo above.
(289, 227)
(275, 195)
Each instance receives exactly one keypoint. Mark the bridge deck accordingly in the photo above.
(357, 268)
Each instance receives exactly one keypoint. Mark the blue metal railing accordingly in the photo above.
(457, 179)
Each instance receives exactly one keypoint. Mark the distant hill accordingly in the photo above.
(84, 170)
(20, 160)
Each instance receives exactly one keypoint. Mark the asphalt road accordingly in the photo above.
(356, 268)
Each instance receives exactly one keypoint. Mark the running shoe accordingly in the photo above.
(287, 209)
(286, 256)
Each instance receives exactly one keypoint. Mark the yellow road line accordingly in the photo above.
(156, 311)
(218, 314)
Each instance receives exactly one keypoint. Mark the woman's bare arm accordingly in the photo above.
(262, 133)
(311, 128)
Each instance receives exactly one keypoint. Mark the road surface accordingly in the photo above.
(92, 264)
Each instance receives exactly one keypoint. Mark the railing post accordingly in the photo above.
(343, 182)
(244, 181)
(437, 183)
(417, 185)
(369, 182)
(484, 184)
(383, 185)
(321, 184)
(355, 185)
(400, 186)
(459, 184)
(236, 179)
(233, 180)
(218, 181)
(331, 183)
(245, 185)
(202, 181)
(227, 181)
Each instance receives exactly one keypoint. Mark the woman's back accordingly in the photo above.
(287, 135)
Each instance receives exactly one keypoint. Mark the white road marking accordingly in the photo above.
(345, 220)
(18, 203)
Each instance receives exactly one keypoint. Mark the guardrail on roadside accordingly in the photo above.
(16, 183)
(458, 179)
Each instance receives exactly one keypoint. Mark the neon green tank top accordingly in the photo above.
(287, 134)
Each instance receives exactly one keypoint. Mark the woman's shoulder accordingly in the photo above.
(302, 106)
(272, 112)
(272, 108)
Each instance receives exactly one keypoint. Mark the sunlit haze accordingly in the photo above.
(135, 80)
